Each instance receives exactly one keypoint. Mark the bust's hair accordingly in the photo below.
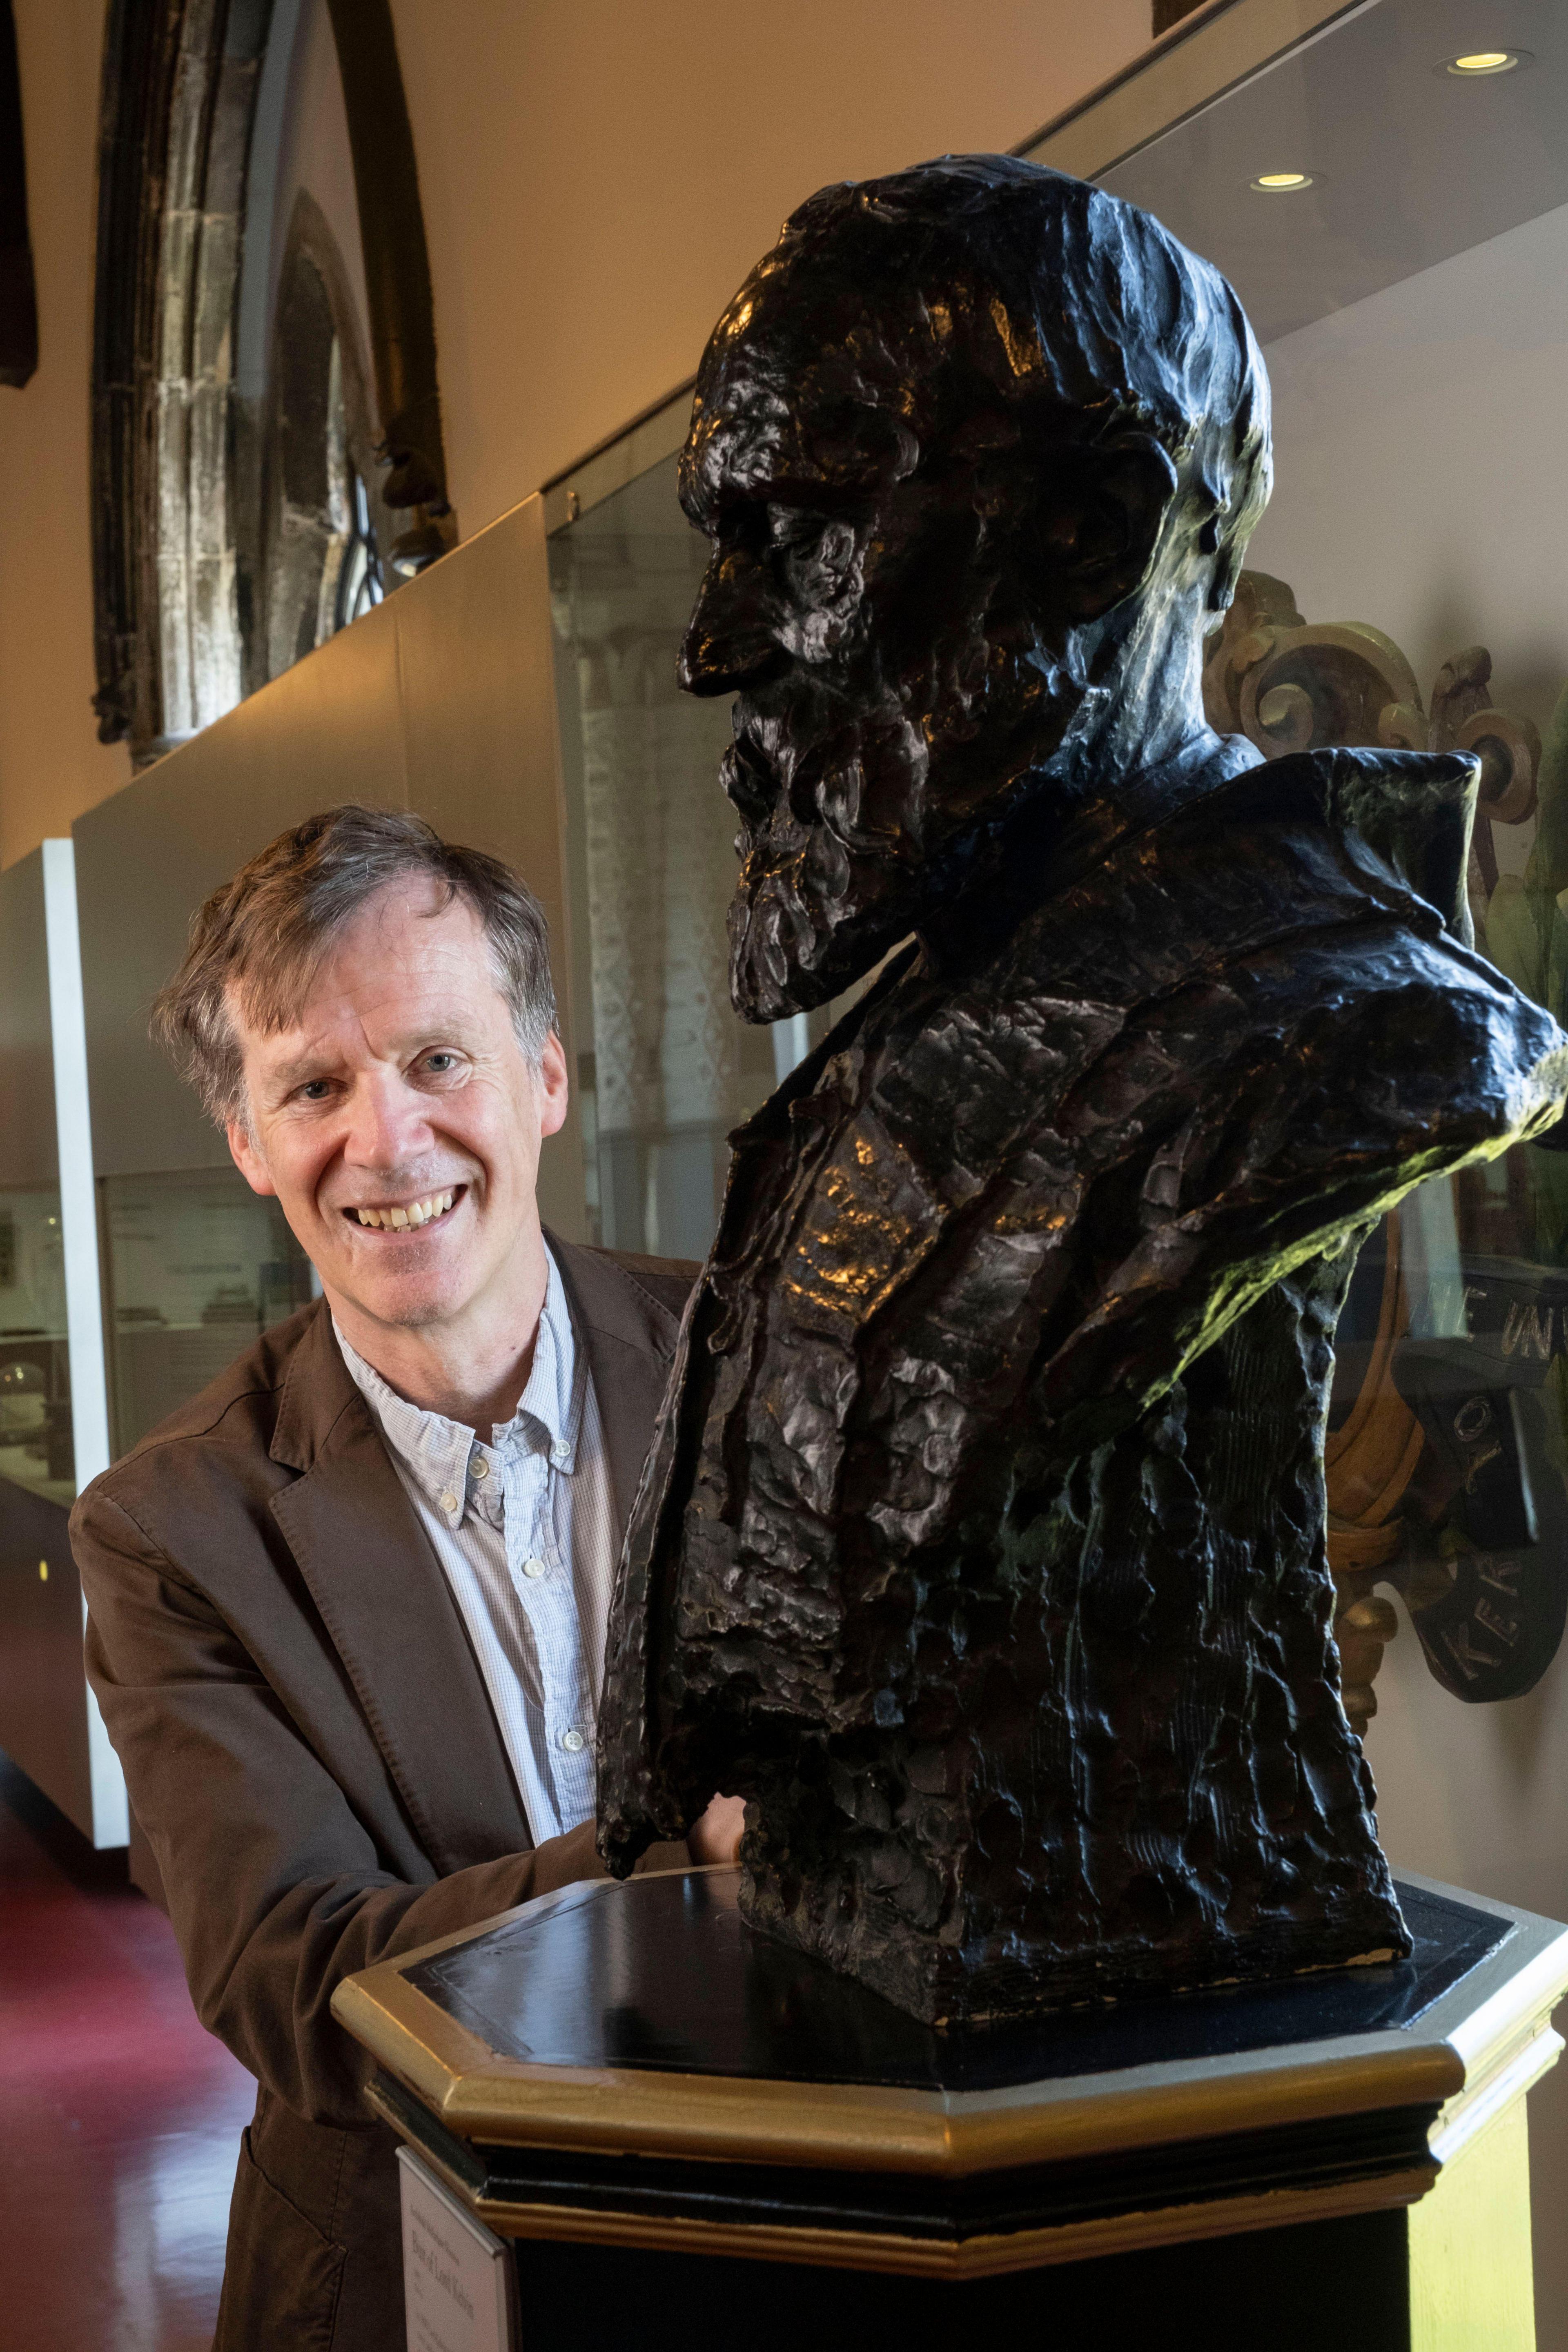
(257, 943)
(987, 286)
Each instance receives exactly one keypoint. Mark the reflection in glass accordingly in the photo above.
(665, 1069)
(34, 1372)
(195, 1267)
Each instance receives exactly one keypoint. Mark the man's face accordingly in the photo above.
(894, 671)
(399, 1122)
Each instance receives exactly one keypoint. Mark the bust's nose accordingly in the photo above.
(731, 639)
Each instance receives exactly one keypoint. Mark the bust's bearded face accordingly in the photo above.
(901, 623)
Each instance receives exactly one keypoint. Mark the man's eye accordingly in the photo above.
(316, 1089)
(440, 1063)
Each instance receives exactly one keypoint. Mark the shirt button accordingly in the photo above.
(534, 1568)
(481, 1468)
(448, 1502)
(560, 1453)
(571, 1742)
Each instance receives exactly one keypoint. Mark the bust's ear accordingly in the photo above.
(1099, 516)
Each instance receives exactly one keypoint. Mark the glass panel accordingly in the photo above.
(35, 1382)
(196, 1266)
(1411, 287)
(665, 1069)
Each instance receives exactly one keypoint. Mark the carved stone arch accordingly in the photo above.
(318, 441)
(179, 81)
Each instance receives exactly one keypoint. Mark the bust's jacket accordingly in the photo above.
(1065, 1219)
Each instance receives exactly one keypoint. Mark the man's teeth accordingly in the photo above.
(417, 1212)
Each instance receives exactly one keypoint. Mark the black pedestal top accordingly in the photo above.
(670, 1977)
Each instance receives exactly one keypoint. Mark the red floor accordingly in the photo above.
(120, 2117)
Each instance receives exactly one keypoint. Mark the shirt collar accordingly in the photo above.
(552, 1400)
(438, 1452)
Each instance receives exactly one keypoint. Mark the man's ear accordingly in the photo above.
(554, 1090)
(1100, 514)
(246, 1158)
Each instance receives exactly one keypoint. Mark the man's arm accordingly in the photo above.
(276, 1889)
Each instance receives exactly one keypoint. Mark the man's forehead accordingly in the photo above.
(395, 970)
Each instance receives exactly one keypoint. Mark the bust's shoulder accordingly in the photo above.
(1392, 828)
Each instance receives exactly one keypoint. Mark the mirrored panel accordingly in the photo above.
(196, 1266)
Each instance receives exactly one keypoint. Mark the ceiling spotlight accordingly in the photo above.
(1477, 63)
(1281, 183)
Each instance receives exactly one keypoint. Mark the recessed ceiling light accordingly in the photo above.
(1281, 183)
(1476, 64)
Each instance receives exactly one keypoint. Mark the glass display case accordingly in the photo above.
(53, 1435)
(36, 1444)
(1389, 195)
(196, 1266)
(665, 1069)
(1390, 200)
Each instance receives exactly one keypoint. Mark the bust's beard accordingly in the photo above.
(817, 903)
(860, 834)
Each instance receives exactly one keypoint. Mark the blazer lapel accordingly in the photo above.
(390, 1613)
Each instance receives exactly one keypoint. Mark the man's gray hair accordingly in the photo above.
(257, 943)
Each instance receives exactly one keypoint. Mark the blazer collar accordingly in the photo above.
(629, 1334)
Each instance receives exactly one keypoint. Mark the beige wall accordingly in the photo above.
(599, 176)
(52, 765)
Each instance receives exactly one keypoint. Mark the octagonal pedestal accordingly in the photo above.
(674, 2123)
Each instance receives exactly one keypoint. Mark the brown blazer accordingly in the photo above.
(310, 1750)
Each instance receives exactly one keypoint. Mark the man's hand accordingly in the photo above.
(717, 1836)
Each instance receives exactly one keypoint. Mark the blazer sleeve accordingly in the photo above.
(275, 1887)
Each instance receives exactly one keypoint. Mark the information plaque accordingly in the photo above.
(457, 2276)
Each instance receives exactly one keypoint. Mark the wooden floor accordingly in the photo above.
(120, 2117)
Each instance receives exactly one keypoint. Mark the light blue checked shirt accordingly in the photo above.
(524, 1530)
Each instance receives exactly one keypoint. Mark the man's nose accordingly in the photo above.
(388, 1123)
(731, 640)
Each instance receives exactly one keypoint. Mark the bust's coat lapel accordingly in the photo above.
(389, 1611)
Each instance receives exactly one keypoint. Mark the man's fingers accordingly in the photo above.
(716, 1837)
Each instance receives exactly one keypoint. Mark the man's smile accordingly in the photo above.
(406, 1216)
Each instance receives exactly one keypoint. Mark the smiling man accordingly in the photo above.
(347, 1609)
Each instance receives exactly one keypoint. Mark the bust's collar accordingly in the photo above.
(1041, 853)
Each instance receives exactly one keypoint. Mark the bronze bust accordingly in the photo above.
(982, 1548)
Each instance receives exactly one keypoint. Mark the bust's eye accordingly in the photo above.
(817, 548)
(794, 528)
